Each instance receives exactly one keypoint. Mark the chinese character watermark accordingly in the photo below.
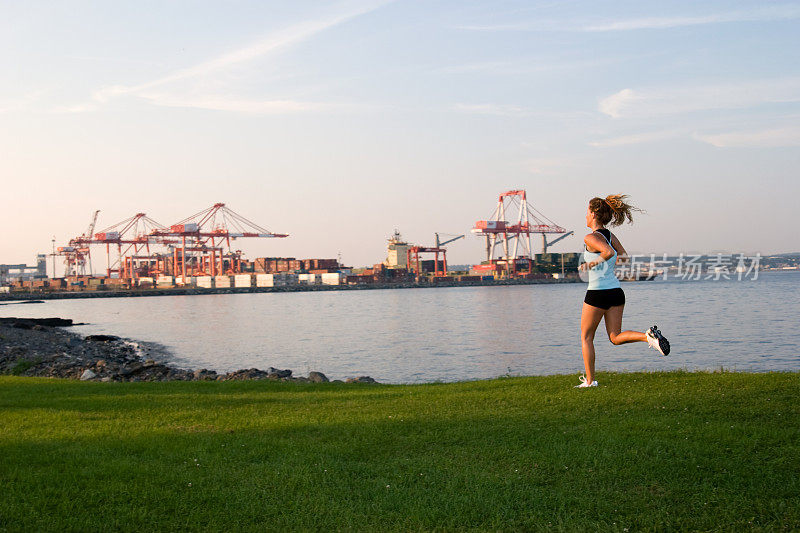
(690, 267)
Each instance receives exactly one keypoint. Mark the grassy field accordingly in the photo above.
(685, 451)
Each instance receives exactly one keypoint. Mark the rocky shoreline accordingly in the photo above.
(40, 347)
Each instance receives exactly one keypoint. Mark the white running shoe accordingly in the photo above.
(585, 383)
(657, 341)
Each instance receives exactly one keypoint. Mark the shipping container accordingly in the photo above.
(204, 282)
(189, 227)
(308, 279)
(491, 224)
(265, 280)
(107, 236)
(242, 280)
(275, 280)
(332, 278)
(359, 280)
(222, 282)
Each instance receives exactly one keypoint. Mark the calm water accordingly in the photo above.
(450, 334)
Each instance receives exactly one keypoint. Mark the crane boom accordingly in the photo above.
(90, 231)
(546, 244)
(442, 243)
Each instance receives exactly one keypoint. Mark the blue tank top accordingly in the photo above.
(602, 276)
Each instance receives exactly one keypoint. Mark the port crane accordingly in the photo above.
(498, 230)
(77, 253)
(129, 238)
(144, 247)
(413, 254)
(209, 233)
(88, 234)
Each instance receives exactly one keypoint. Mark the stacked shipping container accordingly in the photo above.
(268, 265)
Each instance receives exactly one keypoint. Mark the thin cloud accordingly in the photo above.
(630, 103)
(534, 65)
(238, 105)
(761, 14)
(548, 165)
(637, 138)
(613, 105)
(77, 108)
(503, 110)
(766, 13)
(520, 26)
(769, 138)
(271, 44)
(20, 104)
(513, 110)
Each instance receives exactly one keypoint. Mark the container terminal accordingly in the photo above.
(197, 254)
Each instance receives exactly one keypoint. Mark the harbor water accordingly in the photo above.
(455, 333)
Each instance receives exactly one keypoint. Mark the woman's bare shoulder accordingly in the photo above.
(595, 242)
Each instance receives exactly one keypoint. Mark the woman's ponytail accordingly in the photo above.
(613, 210)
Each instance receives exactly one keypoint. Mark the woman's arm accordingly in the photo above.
(597, 244)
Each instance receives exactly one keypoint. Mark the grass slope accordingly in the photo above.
(687, 451)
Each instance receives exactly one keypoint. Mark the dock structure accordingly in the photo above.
(141, 248)
(23, 272)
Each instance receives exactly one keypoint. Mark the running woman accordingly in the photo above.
(604, 297)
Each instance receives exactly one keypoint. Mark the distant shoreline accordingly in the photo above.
(130, 293)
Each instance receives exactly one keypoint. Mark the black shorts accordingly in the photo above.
(605, 298)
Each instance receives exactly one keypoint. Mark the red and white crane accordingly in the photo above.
(498, 229)
(130, 239)
(207, 236)
(77, 253)
(413, 254)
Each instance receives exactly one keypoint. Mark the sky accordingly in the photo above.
(339, 122)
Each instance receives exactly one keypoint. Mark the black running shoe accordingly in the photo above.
(657, 341)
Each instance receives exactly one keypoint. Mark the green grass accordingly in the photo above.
(22, 364)
(660, 451)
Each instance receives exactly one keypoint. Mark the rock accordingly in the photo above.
(247, 374)
(204, 375)
(279, 373)
(134, 368)
(360, 379)
(28, 323)
(61, 354)
(101, 338)
(317, 377)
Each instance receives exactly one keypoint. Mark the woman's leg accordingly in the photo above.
(590, 319)
(614, 326)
